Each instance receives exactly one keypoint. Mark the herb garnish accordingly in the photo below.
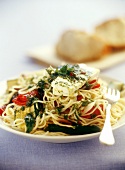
(41, 84)
(65, 116)
(86, 102)
(59, 109)
(22, 108)
(87, 86)
(65, 71)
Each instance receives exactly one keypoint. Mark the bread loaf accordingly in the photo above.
(112, 32)
(79, 46)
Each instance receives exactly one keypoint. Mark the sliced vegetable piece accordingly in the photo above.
(76, 130)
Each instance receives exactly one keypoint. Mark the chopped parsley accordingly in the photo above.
(15, 112)
(65, 116)
(86, 102)
(87, 86)
(59, 109)
(65, 71)
(22, 108)
(30, 86)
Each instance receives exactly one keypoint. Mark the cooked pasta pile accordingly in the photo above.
(58, 101)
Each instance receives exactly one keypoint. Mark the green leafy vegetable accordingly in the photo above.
(30, 101)
(76, 130)
(30, 122)
(42, 84)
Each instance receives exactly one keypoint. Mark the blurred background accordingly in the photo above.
(27, 24)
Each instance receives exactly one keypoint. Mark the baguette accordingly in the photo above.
(112, 32)
(78, 46)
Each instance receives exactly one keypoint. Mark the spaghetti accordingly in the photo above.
(59, 101)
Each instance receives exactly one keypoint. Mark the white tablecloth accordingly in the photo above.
(26, 24)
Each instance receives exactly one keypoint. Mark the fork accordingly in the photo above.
(106, 135)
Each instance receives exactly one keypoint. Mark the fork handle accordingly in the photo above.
(106, 136)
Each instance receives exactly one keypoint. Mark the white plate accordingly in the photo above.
(58, 139)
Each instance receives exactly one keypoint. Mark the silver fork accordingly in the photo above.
(106, 136)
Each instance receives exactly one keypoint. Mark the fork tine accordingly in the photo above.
(109, 91)
(114, 92)
(118, 94)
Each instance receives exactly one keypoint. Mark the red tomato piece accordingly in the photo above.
(71, 74)
(55, 103)
(34, 93)
(22, 99)
(87, 116)
(83, 72)
(64, 121)
(95, 113)
(96, 86)
(2, 109)
(79, 97)
(66, 111)
(92, 81)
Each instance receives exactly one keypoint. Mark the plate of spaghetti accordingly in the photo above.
(59, 105)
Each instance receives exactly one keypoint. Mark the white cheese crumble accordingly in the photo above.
(67, 87)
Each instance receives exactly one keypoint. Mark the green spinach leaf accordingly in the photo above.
(30, 122)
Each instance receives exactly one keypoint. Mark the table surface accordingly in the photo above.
(25, 25)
